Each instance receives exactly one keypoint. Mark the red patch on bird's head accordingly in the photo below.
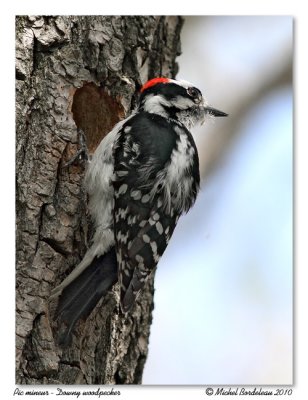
(153, 82)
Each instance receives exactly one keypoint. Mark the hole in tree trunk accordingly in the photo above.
(96, 113)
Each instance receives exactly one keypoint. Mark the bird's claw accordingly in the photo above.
(82, 153)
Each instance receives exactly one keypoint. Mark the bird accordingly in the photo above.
(142, 177)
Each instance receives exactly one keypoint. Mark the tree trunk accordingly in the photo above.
(75, 72)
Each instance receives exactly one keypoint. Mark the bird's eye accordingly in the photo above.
(193, 92)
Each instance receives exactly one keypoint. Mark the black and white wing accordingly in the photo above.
(142, 222)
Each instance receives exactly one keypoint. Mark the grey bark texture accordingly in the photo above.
(75, 71)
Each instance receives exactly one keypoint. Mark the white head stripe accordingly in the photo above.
(181, 82)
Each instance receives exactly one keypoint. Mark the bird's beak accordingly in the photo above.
(215, 112)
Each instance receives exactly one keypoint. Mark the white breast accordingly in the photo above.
(98, 183)
(176, 180)
(180, 158)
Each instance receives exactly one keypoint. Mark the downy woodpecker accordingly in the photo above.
(143, 176)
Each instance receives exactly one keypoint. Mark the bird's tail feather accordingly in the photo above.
(80, 297)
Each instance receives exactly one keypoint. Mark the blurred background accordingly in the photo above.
(223, 299)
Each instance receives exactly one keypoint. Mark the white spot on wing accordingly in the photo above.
(121, 214)
(145, 198)
(136, 194)
(146, 238)
(156, 217)
(121, 237)
(159, 228)
(156, 256)
(139, 258)
(120, 174)
(122, 189)
(131, 220)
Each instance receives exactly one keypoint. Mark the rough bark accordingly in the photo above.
(75, 71)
